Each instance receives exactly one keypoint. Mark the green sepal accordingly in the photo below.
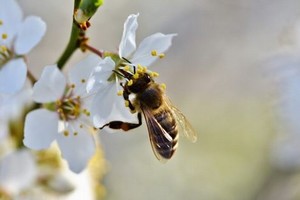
(119, 62)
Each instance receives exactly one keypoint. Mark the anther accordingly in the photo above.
(139, 66)
(88, 24)
(120, 93)
(86, 112)
(82, 80)
(4, 36)
(58, 102)
(75, 133)
(72, 86)
(1, 22)
(144, 69)
(127, 68)
(126, 103)
(136, 76)
(154, 74)
(163, 86)
(161, 55)
(66, 133)
(154, 53)
(140, 69)
(3, 48)
(130, 82)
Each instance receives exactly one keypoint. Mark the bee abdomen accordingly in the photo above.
(166, 148)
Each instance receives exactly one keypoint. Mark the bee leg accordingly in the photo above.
(126, 97)
(125, 126)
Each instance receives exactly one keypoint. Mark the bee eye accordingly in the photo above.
(148, 78)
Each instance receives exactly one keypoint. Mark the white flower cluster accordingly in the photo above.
(75, 107)
(17, 38)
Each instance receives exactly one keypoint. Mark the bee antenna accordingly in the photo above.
(126, 60)
(134, 69)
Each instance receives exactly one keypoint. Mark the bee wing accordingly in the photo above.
(161, 141)
(185, 125)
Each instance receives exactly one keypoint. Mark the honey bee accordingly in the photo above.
(162, 118)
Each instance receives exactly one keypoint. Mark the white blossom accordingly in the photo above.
(65, 117)
(18, 36)
(286, 77)
(17, 171)
(107, 106)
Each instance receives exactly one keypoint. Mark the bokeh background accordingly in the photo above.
(219, 72)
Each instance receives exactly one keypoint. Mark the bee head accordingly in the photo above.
(138, 79)
(139, 82)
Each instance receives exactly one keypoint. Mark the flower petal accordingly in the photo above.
(158, 41)
(102, 105)
(11, 16)
(29, 35)
(13, 76)
(41, 128)
(108, 106)
(100, 74)
(83, 69)
(17, 171)
(51, 85)
(127, 45)
(285, 152)
(289, 109)
(77, 149)
(79, 73)
(10, 11)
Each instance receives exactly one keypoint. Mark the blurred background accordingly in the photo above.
(223, 72)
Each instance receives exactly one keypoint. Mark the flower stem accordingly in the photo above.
(31, 77)
(92, 49)
(76, 4)
(72, 46)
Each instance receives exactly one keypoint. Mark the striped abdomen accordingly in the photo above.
(166, 146)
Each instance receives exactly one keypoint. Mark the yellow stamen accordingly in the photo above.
(4, 36)
(130, 82)
(136, 76)
(154, 53)
(83, 80)
(72, 86)
(1, 22)
(163, 86)
(140, 70)
(66, 133)
(126, 103)
(86, 112)
(3, 48)
(140, 67)
(154, 74)
(127, 68)
(58, 102)
(161, 55)
(120, 93)
(144, 69)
